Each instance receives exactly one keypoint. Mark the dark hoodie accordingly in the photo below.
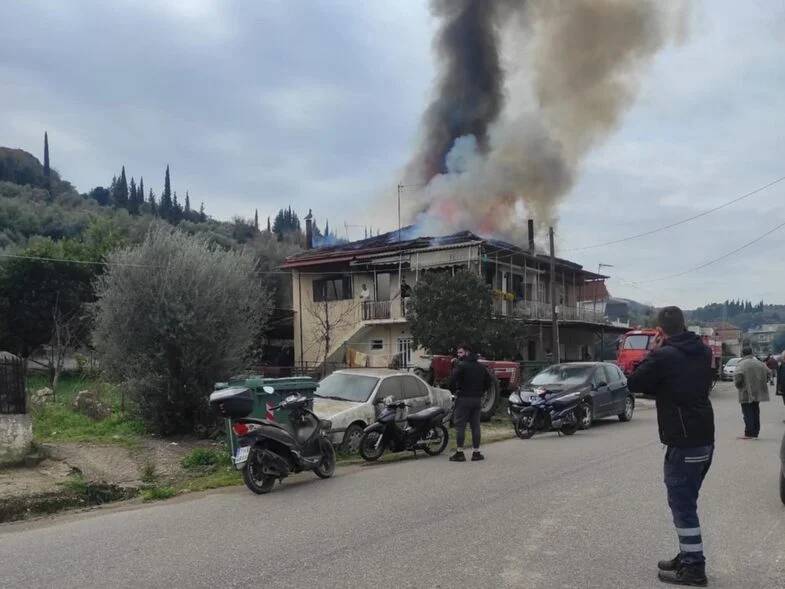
(679, 375)
(470, 378)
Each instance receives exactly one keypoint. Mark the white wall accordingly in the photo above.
(16, 437)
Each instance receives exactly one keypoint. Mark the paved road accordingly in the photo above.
(587, 511)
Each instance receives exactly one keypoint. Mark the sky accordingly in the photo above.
(261, 104)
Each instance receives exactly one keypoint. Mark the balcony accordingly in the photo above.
(382, 312)
(542, 311)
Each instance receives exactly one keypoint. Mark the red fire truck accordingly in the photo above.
(635, 344)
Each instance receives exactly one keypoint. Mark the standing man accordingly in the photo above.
(752, 381)
(780, 388)
(468, 382)
(771, 364)
(678, 372)
(406, 294)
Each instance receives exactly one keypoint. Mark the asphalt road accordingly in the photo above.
(585, 511)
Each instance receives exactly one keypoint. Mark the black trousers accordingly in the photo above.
(467, 409)
(751, 413)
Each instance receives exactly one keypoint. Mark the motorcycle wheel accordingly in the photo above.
(368, 449)
(435, 450)
(524, 431)
(258, 483)
(326, 467)
(570, 428)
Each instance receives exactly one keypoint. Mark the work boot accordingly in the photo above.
(458, 457)
(670, 565)
(685, 576)
(477, 455)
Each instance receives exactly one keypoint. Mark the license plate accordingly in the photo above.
(241, 455)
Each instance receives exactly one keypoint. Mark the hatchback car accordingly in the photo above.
(730, 368)
(352, 399)
(603, 387)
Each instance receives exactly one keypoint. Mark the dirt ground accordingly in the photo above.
(114, 464)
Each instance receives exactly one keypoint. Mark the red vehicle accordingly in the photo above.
(506, 378)
(635, 344)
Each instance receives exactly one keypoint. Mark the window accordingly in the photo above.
(391, 386)
(599, 377)
(332, 289)
(410, 388)
(611, 373)
(424, 391)
(562, 374)
(637, 342)
(377, 344)
(347, 387)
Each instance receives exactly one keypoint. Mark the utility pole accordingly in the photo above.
(554, 317)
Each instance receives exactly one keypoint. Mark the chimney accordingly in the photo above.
(531, 236)
(309, 230)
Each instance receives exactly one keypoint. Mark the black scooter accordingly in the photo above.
(269, 451)
(397, 431)
(547, 413)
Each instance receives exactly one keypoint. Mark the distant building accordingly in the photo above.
(762, 340)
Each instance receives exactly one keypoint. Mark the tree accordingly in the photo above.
(202, 214)
(329, 320)
(447, 311)
(187, 209)
(286, 222)
(152, 205)
(174, 315)
(120, 193)
(47, 169)
(256, 219)
(165, 204)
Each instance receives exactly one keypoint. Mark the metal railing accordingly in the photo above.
(538, 310)
(383, 310)
(13, 398)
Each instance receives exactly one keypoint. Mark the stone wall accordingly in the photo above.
(16, 437)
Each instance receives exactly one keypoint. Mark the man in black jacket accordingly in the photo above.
(468, 382)
(678, 372)
(780, 384)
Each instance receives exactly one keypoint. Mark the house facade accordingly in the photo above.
(349, 301)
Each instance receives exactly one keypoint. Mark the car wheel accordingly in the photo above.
(351, 439)
(629, 409)
(586, 415)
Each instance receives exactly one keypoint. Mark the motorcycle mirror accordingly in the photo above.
(268, 389)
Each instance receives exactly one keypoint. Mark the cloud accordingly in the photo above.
(317, 104)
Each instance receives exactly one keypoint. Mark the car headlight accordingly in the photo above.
(515, 397)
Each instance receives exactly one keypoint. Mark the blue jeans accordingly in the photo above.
(685, 469)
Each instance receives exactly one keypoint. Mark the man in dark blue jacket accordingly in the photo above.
(678, 372)
(468, 382)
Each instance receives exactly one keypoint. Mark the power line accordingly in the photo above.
(682, 222)
(715, 260)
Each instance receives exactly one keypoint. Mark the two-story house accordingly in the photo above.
(348, 304)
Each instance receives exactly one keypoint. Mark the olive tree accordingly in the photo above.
(173, 316)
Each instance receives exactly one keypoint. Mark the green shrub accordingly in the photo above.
(206, 459)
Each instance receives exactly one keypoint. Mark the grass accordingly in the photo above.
(158, 493)
(206, 460)
(57, 422)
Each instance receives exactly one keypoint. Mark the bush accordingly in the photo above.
(174, 315)
(206, 459)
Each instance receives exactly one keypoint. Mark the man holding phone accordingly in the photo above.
(678, 373)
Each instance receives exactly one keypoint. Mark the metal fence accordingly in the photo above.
(12, 385)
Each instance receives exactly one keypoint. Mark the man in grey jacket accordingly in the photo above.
(752, 381)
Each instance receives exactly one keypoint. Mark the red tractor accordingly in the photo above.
(436, 371)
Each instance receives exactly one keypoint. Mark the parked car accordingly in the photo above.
(782, 470)
(730, 368)
(352, 399)
(602, 385)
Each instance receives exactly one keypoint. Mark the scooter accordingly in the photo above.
(397, 431)
(269, 451)
(548, 412)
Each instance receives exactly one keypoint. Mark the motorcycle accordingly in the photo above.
(269, 451)
(397, 431)
(548, 412)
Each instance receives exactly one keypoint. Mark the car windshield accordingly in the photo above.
(347, 387)
(637, 342)
(732, 362)
(562, 375)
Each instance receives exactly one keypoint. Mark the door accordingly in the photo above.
(603, 401)
(405, 351)
(618, 387)
(389, 387)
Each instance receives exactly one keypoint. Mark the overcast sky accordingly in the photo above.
(258, 104)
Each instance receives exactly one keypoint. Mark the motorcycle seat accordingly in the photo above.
(425, 415)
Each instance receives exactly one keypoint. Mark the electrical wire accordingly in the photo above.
(714, 261)
(677, 223)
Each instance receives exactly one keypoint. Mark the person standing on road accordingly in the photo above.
(678, 372)
(780, 386)
(752, 381)
(468, 382)
(771, 364)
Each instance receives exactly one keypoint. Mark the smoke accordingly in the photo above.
(507, 131)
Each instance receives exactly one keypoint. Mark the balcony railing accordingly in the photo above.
(538, 310)
(382, 310)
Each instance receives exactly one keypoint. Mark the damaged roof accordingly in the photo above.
(389, 242)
